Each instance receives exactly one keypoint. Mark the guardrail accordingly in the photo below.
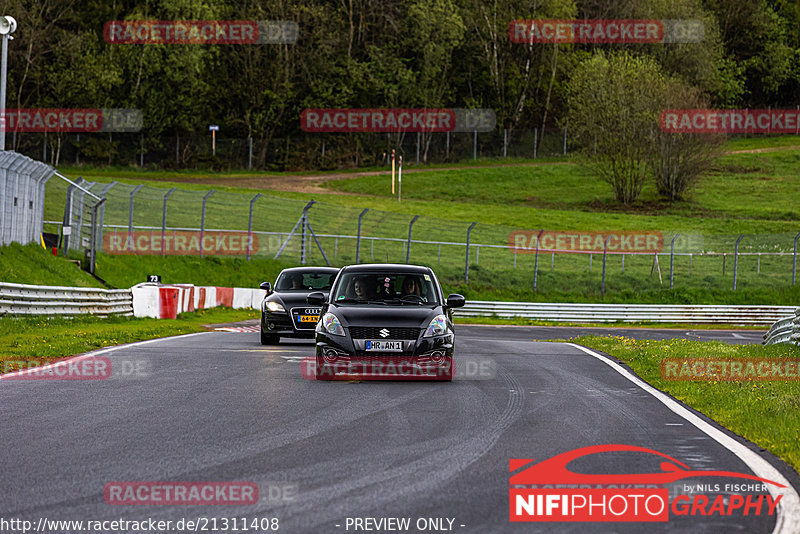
(608, 313)
(21, 299)
(785, 330)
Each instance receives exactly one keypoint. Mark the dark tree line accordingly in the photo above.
(380, 53)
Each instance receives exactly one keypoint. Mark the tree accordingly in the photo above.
(613, 110)
(678, 159)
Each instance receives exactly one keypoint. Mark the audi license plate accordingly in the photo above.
(383, 346)
(307, 318)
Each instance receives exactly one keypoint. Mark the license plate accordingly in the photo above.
(384, 346)
(307, 318)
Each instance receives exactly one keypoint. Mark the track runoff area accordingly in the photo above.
(201, 430)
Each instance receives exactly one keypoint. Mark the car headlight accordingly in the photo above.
(275, 307)
(437, 327)
(330, 324)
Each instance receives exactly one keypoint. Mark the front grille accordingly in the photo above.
(372, 332)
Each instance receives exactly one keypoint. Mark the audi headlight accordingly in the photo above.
(437, 327)
(330, 324)
(275, 307)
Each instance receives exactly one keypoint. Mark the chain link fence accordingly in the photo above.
(307, 151)
(142, 219)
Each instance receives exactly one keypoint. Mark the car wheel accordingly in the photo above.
(269, 339)
(322, 371)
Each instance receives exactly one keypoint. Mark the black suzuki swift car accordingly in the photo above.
(284, 311)
(385, 321)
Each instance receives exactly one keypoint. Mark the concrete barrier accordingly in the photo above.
(167, 301)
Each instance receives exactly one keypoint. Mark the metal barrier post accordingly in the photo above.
(605, 251)
(410, 226)
(672, 259)
(203, 220)
(250, 223)
(466, 268)
(358, 235)
(164, 222)
(736, 260)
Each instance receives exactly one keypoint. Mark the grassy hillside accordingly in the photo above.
(32, 264)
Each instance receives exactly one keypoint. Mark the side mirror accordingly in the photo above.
(317, 297)
(454, 300)
(266, 286)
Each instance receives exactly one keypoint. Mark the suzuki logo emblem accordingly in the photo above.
(383, 332)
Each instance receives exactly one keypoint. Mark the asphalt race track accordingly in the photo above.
(218, 406)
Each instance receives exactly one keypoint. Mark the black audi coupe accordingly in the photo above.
(385, 321)
(284, 311)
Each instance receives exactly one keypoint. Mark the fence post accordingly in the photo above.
(565, 145)
(605, 252)
(250, 153)
(418, 143)
(736, 260)
(410, 226)
(65, 239)
(672, 259)
(203, 220)
(505, 142)
(794, 261)
(536, 261)
(447, 146)
(93, 242)
(164, 222)
(130, 208)
(358, 235)
(103, 192)
(466, 267)
(535, 141)
(475, 145)
(249, 226)
(141, 154)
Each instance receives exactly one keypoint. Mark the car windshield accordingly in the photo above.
(304, 281)
(386, 287)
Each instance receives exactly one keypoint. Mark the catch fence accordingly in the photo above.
(142, 219)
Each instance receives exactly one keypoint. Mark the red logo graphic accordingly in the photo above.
(588, 502)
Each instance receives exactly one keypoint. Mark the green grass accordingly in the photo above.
(765, 412)
(126, 271)
(752, 194)
(31, 341)
(31, 264)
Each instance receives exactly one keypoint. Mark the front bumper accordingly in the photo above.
(424, 358)
(281, 324)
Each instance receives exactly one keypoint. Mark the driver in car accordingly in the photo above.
(411, 286)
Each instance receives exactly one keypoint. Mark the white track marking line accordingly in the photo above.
(95, 353)
(788, 517)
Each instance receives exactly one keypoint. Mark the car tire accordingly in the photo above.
(269, 339)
